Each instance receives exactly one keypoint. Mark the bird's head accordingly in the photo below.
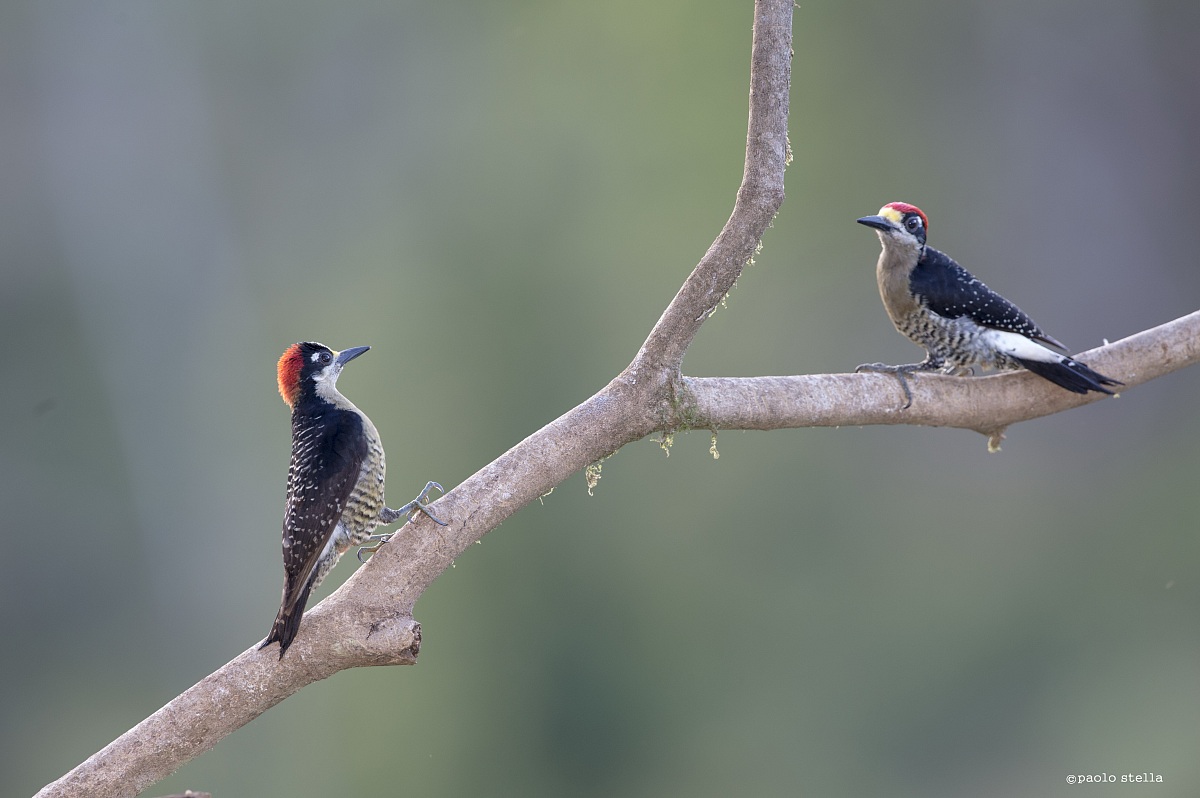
(309, 369)
(899, 225)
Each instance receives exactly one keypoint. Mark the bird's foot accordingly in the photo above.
(901, 373)
(389, 515)
(379, 541)
(419, 504)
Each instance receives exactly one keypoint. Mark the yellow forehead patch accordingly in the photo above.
(891, 214)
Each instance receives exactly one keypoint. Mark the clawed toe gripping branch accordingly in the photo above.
(901, 373)
(389, 516)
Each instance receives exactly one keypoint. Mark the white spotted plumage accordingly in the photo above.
(335, 496)
(955, 317)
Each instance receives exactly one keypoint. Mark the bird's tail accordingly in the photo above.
(1070, 374)
(287, 622)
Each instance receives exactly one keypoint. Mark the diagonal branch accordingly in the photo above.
(368, 620)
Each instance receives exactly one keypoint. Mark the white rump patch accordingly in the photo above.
(1017, 345)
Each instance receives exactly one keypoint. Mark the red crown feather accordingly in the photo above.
(904, 207)
(289, 374)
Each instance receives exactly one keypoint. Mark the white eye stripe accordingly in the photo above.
(315, 356)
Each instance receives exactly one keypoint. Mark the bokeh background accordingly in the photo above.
(500, 198)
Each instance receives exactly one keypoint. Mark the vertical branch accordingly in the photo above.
(758, 197)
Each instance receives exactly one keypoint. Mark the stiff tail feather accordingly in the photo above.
(287, 622)
(1070, 374)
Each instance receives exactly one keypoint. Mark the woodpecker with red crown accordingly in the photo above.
(958, 320)
(335, 479)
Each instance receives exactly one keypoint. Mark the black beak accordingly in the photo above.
(878, 222)
(346, 355)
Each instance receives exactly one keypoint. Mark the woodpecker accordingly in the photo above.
(335, 479)
(959, 321)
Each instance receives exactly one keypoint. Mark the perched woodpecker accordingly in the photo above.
(335, 479)
(959, 321)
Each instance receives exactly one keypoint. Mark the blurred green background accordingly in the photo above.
(501, 198)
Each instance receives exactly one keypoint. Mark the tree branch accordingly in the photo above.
(985, 404)
(368, 621)
(758, 198)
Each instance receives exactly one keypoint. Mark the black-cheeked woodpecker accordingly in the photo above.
(958, 320)
(335, 479)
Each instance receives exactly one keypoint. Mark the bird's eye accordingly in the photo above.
(326, 358)
(913, 223)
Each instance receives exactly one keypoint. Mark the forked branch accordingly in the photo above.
(368, 621)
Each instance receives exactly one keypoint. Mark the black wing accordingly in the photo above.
(951, 291)
(327, 456)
